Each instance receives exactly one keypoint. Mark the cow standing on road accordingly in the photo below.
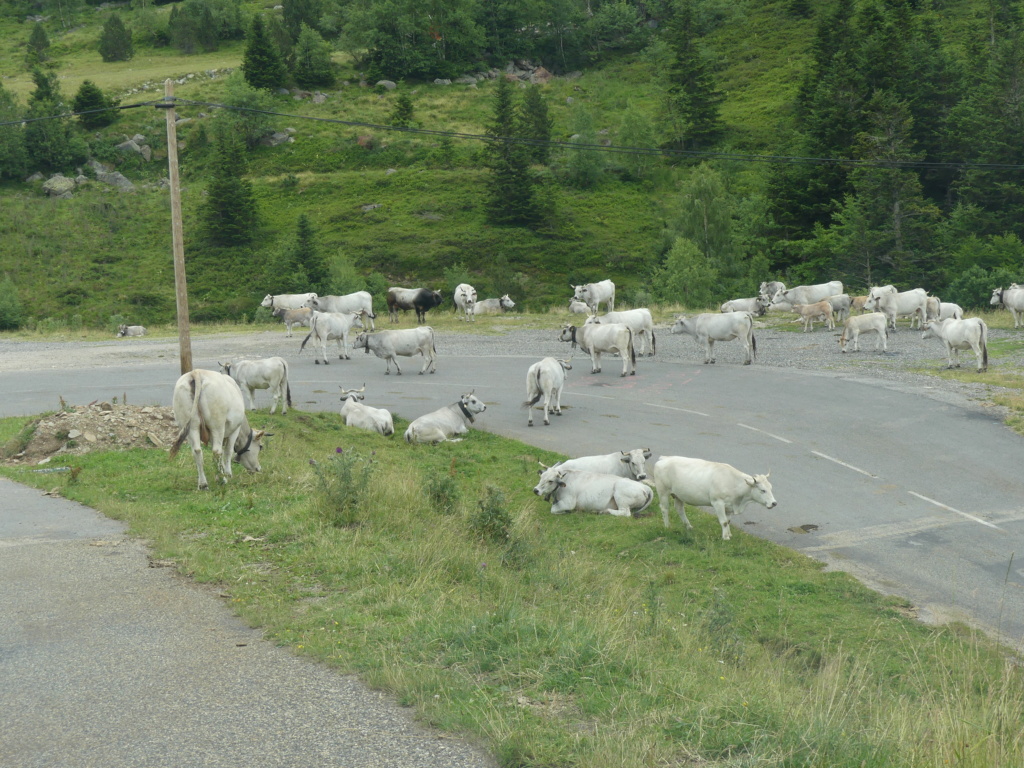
(707, 328)
(390, 345)
(545, 379)
(360, 301)
(857, 324)
(290, 317)
(596, 339)
(269, 373)
(326, 326)
(971, 333)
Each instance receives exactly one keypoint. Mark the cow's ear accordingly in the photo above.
(259, 434)
(624, 456)
(647, 453)
(750, 481)
(561, 484)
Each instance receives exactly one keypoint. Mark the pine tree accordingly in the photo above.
(307, 258)
(47, 87)
(261, 62)
(48, 143)
(403, 115)
(299, 12)
(12, 140)
(116, 40)
(694, 101)
(313, 65)
(38, 46)
(231, 216)
(90, 98)
(511, 198)
(537, 124)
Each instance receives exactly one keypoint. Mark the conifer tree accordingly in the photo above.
(90, 98)
(12, 140)
(313, 65)
(307, 258)
(38, 46)
(511, 197)
(299, 12)
(693, 99)
(261, 62)
(537, 124)
(230, 217)
(48, 143)
(116, 40)
(402, 116)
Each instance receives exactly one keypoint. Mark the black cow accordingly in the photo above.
(419, 299)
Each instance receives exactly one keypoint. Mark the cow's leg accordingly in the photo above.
(709, 351)
(197, 455)
(723, 518)
(618, 508)
(558, 401)
(398, 371)
(627, 354)
(547, 405)
(595, 361)
(252, 397)
(680, 510)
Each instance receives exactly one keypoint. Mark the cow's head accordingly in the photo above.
(997, 297)
(472, 403)
(247, 453)
(352, 394)
(436, 298)
(268, 301)
(122, 330)
(506, 303)
(781, 297)
(592, 319)
(551, 480)
(761, 490)
(568, 333)
(566, 364)
(636, 460)
(682, 324)
(225, 368)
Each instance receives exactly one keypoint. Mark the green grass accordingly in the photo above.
(574, 640)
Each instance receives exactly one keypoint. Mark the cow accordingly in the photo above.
(892, 303)
(269, 373)
(389, 345)
(545, 379)
(570, 490)
(639, 321)
(756, 306)
(287, 300)
(942, 310)
(290, 317)
(577, 307)
(769, 288)
(444, 423)
(465, 298)
(493, 306)
(971, 333)
(596, 339)
(361, 416)
(857, 324)
(857, 303)
(819, 310)
(360, 301)
(712, 484)
(1013, 299)
(707, 328)
(130, 330)
(631, 464)
(420, 299)
(208, 408)
(841, 304)
(331, 325)
(596, 294)
(808, 294)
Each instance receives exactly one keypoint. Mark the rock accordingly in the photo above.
(282, 91)
(371, 207)
(90, 437)
(319, 98)
(275, 139)
(37, 176)
(442, 81)
(74, 434)
(387, 85)
(466, 80)
(540, 76)
(117, 180)
(58, 185)
(139, 139)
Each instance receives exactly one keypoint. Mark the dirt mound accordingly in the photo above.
(79, 429)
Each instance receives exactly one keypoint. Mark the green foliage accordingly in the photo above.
(116, 40)
(403, 115)
(694, 101)
(536, 124)
(491, 521)
(636, 130)
(972, 289)
(230, 216)
(312, 59)
(261, 63)
(511, 198)
(688, 277)
(299, 13)
(37, 49)
(582, 168)
(248, 120)
(444, 494)
(307, 258)
(343, 483)
(91, 99)
(13, 157)
(615, 28)
(11, 315)
(191, 27)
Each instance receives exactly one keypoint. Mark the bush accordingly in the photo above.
(973, 289)
(344, 482)
(491, 521)
(11, 317)
(444, 494)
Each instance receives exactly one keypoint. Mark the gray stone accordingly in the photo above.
(115, 179)
(387, 85)
(37, 176)
(58, 185)
(442, 81)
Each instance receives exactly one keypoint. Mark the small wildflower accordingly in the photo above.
(312, 462)
(339, 450)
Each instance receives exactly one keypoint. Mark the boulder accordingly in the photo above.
(319, 98)
(115, 179)
(276, 138)
(442, 81)
(387, 85)
(58, 185)
(541, 76)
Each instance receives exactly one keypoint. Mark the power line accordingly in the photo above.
(568, 145)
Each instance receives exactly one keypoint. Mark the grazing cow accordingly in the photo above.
(493, 306)
(770, 288)
(971, 333)
(708, 484)
(858, 324)
(820, 310)
(756, 306)
(943, 310)
(632, 464)
(570, 490)
(300, 317)
(444, 423)
(892, 303)
(269, 373)
(596, 294)
(577, 307)
(638, 320)
(1013, 299)
(287, 300)
(596, 339)
(208, 408)
(808, 294)
(465, 298)
(708, 328)
(361, 416)
(360, 301)
(545, 379)
(420, 299)
(389, 345)
(326, 326)
(841, 304)
(130, 330)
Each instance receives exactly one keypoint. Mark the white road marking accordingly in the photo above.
(755, 429)
(940, 505)
(673, 408)
(844, 464)
(599, 397)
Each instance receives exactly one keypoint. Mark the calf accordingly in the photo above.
(361, 416)
(290, 317)
(269, 373)
(858, 324)
(820, 310)
(971, 333)
(569, 490)
(545, 379)
(708, 484)
(444, 423)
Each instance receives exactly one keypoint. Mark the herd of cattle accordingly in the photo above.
(209, 405)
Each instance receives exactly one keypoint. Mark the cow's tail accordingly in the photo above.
(654, 343)
(196, 389)
(538, 396)
(753, 343)
(632, 349)
(984, 345)
(303, 345)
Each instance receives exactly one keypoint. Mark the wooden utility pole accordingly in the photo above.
(180, 285)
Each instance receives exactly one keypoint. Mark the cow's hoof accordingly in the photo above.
(421, 373)
(747, 362)
(317, 362)
(529, 423)
(432, 372)
(547, 423)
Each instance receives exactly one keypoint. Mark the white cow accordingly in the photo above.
(807, 294)
(545, 379)
(971, 333)
(769, 288)
(708, 484)
(326, 326)
(632, 464)
(639, 321)
(819, 310)
(269, 373)
(756, 306)
(596, 294)
(493, 306)
(1013, 299)
(841, 304)
(707, 328)
(942, 310)
(390, 345)
(577, 307)
(361, 416)
(287, 300)
(892, 303)
(360, 301)
(597, 339)
(130, 330)
(570, 490)
(290, 317)
(465, 298)
(857, 324)
(209, 404)
(444, 423)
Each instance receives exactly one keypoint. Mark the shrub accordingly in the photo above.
(973, 289)
(344, 482)
(11, 317)
(491, 521)
(444, 494)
